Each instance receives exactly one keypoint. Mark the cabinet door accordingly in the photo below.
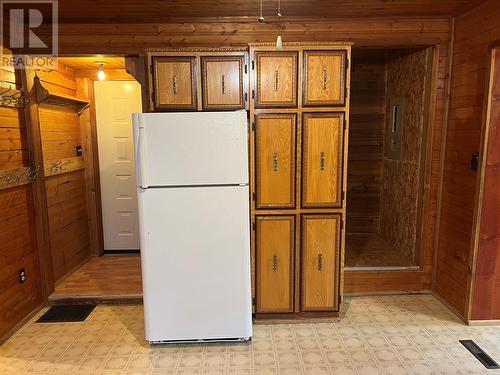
(275, 160)
(324, 78)
(320, 262)
(322, 147)
(174, 83)
(223, 82)
(276, 79)
(274, 263)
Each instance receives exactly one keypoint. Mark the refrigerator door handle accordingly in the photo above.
(140, 151)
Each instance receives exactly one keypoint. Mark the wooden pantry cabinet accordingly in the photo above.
(197, 79)
(299, 109)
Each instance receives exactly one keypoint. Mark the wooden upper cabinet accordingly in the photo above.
(275, 160)
(223, 82)
(320, 262)
(274, 263)
(276, 79)
(174, 83)
(324, 78)
(322, 146)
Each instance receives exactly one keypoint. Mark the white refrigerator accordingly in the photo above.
(192, 185)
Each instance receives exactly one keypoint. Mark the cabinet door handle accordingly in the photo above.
(223, 85)
(320, 262)
(325, 79)
(174, 84)
(276, 80)
(275, 263)
(275, 162)
(322, 161)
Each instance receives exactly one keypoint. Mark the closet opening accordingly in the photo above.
(85, 120)
(387, 150)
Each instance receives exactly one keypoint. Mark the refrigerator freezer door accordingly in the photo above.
(195, 256)
(188, 149)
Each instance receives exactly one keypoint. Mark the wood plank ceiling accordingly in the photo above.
(124, 11)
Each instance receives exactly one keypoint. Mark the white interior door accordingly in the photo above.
(115, 102)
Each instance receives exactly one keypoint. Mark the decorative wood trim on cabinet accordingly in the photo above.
(322, 163)
(270, 298)
(265, 167)
(329, 80)
(219, 100)
(320, 262)
(264, 88)
(161, 103)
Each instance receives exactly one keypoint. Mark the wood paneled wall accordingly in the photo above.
(366, 140)
(407, 75)
(18, 240)
(474, 31)
(61, 133)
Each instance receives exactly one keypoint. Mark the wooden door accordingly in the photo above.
(324, 78)
(275, 160)
(174, 83)
(276, 79)
(115, 102)
(322, 145)
(320, 262)
(223, 86)
(274, 263)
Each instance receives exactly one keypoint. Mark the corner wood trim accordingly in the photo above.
(241, 63)
(305, 159)
(258, 161)
(293, 103)
(192, 72)
(343, 72)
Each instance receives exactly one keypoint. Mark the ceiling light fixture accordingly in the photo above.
(279, 43)
(100, 74)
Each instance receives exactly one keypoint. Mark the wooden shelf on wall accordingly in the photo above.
(43, 95)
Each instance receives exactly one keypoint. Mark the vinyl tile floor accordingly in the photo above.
(412, 334)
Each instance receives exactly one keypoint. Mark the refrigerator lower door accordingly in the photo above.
(195, 255)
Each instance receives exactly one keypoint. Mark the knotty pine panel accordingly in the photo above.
(366, 137)
(18, 245)
(68, 221)
(474, 31)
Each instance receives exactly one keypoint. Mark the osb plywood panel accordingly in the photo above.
(474, 31)
(366, 140)
(406, 78)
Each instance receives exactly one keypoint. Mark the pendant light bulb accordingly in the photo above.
(279, 43)
(261, 16)
(100, 74)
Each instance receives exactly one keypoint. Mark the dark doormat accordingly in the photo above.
(66, 313)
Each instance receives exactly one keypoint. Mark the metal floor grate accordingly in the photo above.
(480, 354)
(66, 313)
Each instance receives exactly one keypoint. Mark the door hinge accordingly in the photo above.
(253, 94)
(253, 65)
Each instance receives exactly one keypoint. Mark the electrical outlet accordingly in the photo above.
(78, 150)
(22, 276)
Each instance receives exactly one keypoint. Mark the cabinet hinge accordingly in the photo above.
(246, 97)
(346, 63)
(341, 224)
(153, 97)
(253, 65)
(253, 94)
(253, 196)
(253, 126)
(345, 123)
(246, 68)
(342, 195)
(253, 301)
(151, 68)
(253, 226)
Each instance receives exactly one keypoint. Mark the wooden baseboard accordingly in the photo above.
(298, 317)
(449, 307)
(396, 293)
(494, 322)
(19, 325)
